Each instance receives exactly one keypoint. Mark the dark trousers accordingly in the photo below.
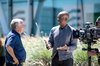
(56, 62)
(11, 64)
(2, 60)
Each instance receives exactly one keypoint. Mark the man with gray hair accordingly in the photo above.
(15, 52)
(62, 41)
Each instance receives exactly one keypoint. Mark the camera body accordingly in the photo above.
(89, 33)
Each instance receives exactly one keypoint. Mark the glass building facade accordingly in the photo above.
(41, 15)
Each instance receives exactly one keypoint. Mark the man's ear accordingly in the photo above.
(58, 19)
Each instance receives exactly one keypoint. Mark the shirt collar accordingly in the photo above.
(16, 32)
(64, 27)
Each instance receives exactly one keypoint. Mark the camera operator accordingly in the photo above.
(92, 53)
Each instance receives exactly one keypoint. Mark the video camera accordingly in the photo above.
(88, 35)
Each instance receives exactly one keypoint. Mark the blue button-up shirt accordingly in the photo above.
(59, 37)
(13, 39)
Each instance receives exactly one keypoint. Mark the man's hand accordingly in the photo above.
(15, 61)
(63, 48)
(11, 52)
(48, 46)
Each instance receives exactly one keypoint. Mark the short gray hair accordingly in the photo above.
(15, 22)
(62, 13)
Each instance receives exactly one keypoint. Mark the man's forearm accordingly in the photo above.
(11, 52)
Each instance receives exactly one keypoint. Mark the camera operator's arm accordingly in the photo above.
(93, 53)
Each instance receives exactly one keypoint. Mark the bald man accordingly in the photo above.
(62, 41)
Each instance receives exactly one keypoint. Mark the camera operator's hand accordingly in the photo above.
(91, 53)
(48, 46)
(63, 48)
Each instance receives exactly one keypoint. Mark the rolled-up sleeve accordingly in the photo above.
(11, 41)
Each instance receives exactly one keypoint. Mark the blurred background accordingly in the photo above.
(41, 15)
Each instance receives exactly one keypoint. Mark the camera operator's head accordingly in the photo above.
(62, 18)
(98, 22)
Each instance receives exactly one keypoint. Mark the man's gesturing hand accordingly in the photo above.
(63, 48)
(48, 46)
